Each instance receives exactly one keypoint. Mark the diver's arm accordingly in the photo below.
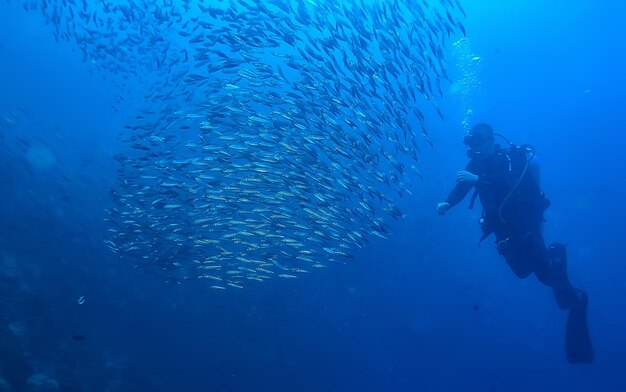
(458, 193)
(465, 181)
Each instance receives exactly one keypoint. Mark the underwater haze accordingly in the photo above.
(241, 195)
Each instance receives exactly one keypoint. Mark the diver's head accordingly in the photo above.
(480, 141)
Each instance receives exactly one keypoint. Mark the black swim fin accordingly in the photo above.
(577, 339)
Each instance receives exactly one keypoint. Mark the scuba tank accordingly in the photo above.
(529, 154)
(517, 163)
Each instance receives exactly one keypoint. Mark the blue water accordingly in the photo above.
(425, 310)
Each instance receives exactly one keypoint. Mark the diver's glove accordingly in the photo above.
(465, 176)
(443, 207)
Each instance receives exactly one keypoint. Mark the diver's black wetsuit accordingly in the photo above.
(513, 207)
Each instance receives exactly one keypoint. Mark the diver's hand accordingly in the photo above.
(443, 207)
(465, 176)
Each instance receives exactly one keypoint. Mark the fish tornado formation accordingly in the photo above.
(276, 134)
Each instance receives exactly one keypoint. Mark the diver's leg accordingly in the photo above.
(527, 253)
(513, 248)
(550, 267)
(578, 345)
(552, 271)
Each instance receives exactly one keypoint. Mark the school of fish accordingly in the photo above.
(276, 134)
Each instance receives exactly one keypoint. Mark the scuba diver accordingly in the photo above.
(507, 182)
